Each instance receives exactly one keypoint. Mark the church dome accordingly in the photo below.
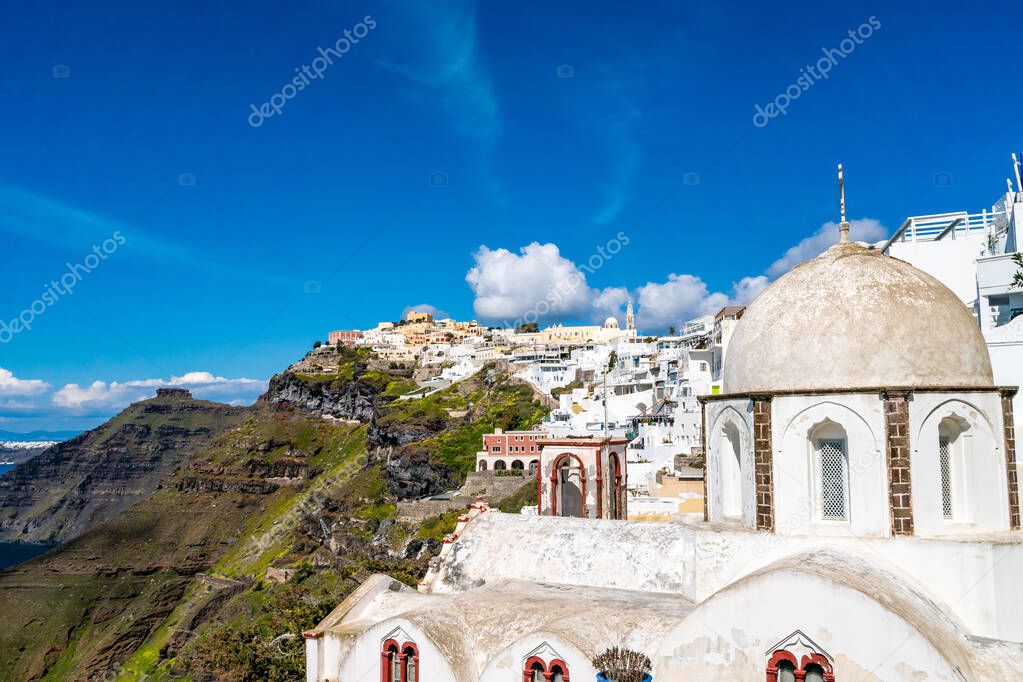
(854, 318)
(610, 323)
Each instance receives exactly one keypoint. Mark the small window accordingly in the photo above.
(945, 462)
(831, 478)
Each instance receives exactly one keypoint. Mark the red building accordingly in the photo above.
(348, 338)
(511, 450)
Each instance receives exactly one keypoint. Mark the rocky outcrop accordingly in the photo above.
(72, 486)
(411, 475)
(341, 399)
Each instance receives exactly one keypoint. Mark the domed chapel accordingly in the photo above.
(862, 521)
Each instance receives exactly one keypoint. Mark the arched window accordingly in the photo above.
(783, 666)
(814, 673)
(568, 487)
(954, 444)
(399, 663)
(831, 471)
(616, 510)
(558, 671)
(410, 662)
(731, 472)
(390, 662)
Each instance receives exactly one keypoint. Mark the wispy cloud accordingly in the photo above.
(863, 229)
(615, 94)
(61, 225)
(618, 188)
(446, 58)
(440, 56)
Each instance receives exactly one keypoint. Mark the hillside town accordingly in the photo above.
(846, 439)
(611, 382)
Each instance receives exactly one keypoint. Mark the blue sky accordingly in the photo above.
(428, 159)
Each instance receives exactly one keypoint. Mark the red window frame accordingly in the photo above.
(800, 666)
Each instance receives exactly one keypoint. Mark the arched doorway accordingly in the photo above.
(533, 466)
(517, 465)
(616, 509)
(499, 465)
(568, 487)
(731, 472)
(483, 465)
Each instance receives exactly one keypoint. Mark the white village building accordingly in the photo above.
(972, 254)
(862, 520)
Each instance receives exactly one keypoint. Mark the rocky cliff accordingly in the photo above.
(72, 486)
(255, 535)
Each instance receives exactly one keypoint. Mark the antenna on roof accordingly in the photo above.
(843, 227)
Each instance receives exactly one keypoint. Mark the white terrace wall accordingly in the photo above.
(696, 562)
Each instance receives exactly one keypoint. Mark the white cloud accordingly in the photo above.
(536, 283)
(864, 229)
(12, 386)
(103, 396)
(683, 297)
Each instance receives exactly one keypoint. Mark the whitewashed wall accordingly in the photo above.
(718, 414)
(508, 664)
(986, 488)
(792, 422)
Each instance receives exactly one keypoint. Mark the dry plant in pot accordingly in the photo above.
(619, 664)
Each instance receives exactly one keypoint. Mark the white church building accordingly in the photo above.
(862, 522)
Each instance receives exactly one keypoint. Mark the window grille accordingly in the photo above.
(944, 461)
(832, 469)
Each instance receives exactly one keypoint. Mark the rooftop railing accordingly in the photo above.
(958, 225)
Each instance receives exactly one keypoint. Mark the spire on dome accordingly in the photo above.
(843, 227)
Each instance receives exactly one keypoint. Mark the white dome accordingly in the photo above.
(854, 318)
(610, 323)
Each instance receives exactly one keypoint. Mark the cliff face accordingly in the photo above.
(344, 400)
(72, 486)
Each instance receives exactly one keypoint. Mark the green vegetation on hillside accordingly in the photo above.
(255, 539)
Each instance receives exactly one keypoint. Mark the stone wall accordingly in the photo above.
(764, 463)
(896, 419)
(1010, 459)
